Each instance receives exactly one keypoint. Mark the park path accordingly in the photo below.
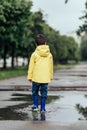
(76, 76)
(73, 78)
(26, 125)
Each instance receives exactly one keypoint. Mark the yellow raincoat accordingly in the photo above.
(41, 65)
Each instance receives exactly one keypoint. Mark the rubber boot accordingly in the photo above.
(43, 102)
(35, 102)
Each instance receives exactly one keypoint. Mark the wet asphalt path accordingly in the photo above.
(67, 117)
(62, 111)
(75, 77)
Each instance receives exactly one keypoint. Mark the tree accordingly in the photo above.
(72, 48)
(38, 20)
(83, 47)
(15, 19)
(83, 27)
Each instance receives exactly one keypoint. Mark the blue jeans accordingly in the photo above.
(39, 86)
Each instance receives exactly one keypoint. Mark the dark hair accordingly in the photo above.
(40, 39)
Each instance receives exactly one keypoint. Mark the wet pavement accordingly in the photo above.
(75, 77)
(64, 109)
(26, 125)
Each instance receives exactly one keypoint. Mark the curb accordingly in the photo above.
(50, 88)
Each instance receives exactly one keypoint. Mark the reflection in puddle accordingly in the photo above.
(14, 113)
(82, 110)
(9, 113)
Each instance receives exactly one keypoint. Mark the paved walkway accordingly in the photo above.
(75, 78)
(27, 125)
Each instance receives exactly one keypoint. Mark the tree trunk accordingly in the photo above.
(4, 57)
(16, 61)
(27, 61)
(13, 55)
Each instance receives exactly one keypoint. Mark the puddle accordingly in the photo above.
(22, 110)
(61, 106)
(72, 107)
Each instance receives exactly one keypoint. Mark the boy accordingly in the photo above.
(40, 72)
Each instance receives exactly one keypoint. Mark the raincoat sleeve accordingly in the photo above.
(31, 67)
(51, 67)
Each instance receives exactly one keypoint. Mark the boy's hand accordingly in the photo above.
(30, 80)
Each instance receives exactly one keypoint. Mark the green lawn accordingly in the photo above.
(8, 73)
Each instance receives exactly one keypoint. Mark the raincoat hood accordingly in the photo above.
(43, 50)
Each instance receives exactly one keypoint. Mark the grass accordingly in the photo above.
(9, 73)
(22, 71)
